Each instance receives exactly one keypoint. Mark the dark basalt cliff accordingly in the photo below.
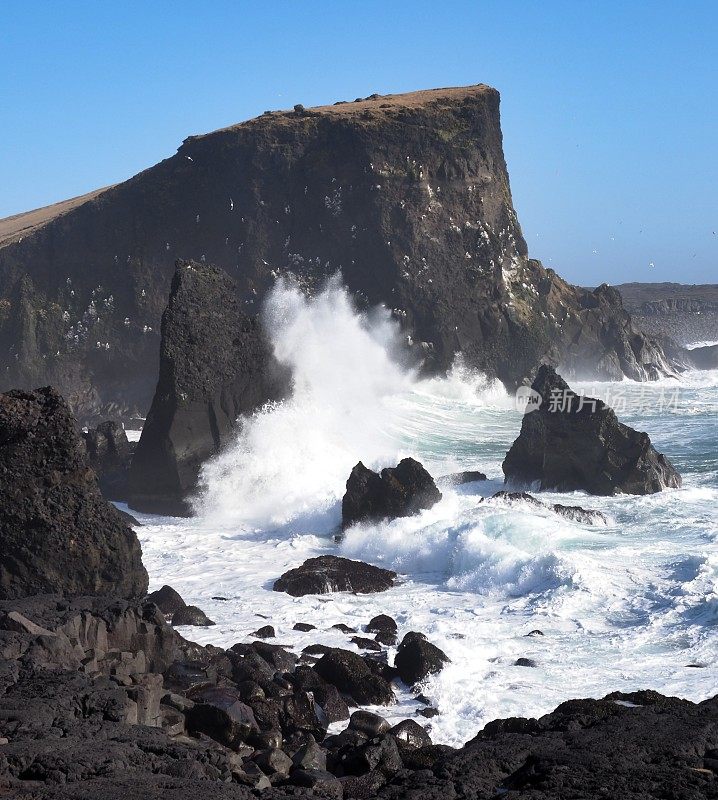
(407, 195)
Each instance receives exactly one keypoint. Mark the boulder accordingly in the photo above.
(416, 658)
(265, 632)
(574, 443)
(400, 491)
(191, 615)
(57, 532)
(220, 713)
(385, 629)
(334, 574)
(368, 723)
(167, 600)
(351, 675)
(215, 365)
(109, 453)
(411, 734)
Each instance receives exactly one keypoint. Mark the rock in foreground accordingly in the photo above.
(57, 533)
(334, 574)
(572, 443)
(395, 492)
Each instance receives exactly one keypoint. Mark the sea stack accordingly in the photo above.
(571, 442)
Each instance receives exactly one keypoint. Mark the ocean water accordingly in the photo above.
(628, 605)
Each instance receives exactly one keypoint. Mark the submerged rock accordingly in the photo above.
(334, 574)
(572, 443)
(57, 532)
(460, 478)
(587, 516)
(215, 365)
(400, 491)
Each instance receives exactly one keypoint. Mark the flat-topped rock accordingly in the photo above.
(334, 574)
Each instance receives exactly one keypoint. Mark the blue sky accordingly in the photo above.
(609, 109)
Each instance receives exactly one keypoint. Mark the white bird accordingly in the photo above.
(189, 158)
(231, 204)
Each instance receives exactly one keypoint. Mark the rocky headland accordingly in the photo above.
(407, 196)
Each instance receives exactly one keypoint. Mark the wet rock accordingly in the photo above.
(310, 756)
(427, 757)
(429, 712)
(215, 365)
(385, 629)
(411, 734)
(400, 491)
(417, 658)
(535, 632)
(340, 626)
(325, 694)
(525, 662)
(191, 615)
(167, 600)
(273, 762)
(584, 516)
(265, 632)
(365, 644)
(351, 675)
(109, 454)
(460, 478)
(334, 574)
(220, 713)
(368, 723)
(301, 714)
(318, 780)
(517, 497)
(304, 627)
(380, 753)
(57, 532)
(571, 443)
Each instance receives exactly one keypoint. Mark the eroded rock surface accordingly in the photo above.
(334, 574)
(57, 532)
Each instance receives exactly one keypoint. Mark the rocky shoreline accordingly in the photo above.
(100, 696)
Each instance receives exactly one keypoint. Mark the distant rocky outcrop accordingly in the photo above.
(407, 195)
(334, 574)
(685, 313)
(109, 453)
(395, 492)
(57, 532)
(215, 365)
(571, 443)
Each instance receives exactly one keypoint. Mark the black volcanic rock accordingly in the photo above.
(407, 195)
(350, 673)
(334, 574)
(167, 599)
(418, 658)
(587, 516)
(57, 532)
(109, 454)
(395, 492)
(571, 444)
(215, 365)
(191, 615)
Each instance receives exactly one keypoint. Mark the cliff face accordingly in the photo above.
(686, 313)
(407, 195)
